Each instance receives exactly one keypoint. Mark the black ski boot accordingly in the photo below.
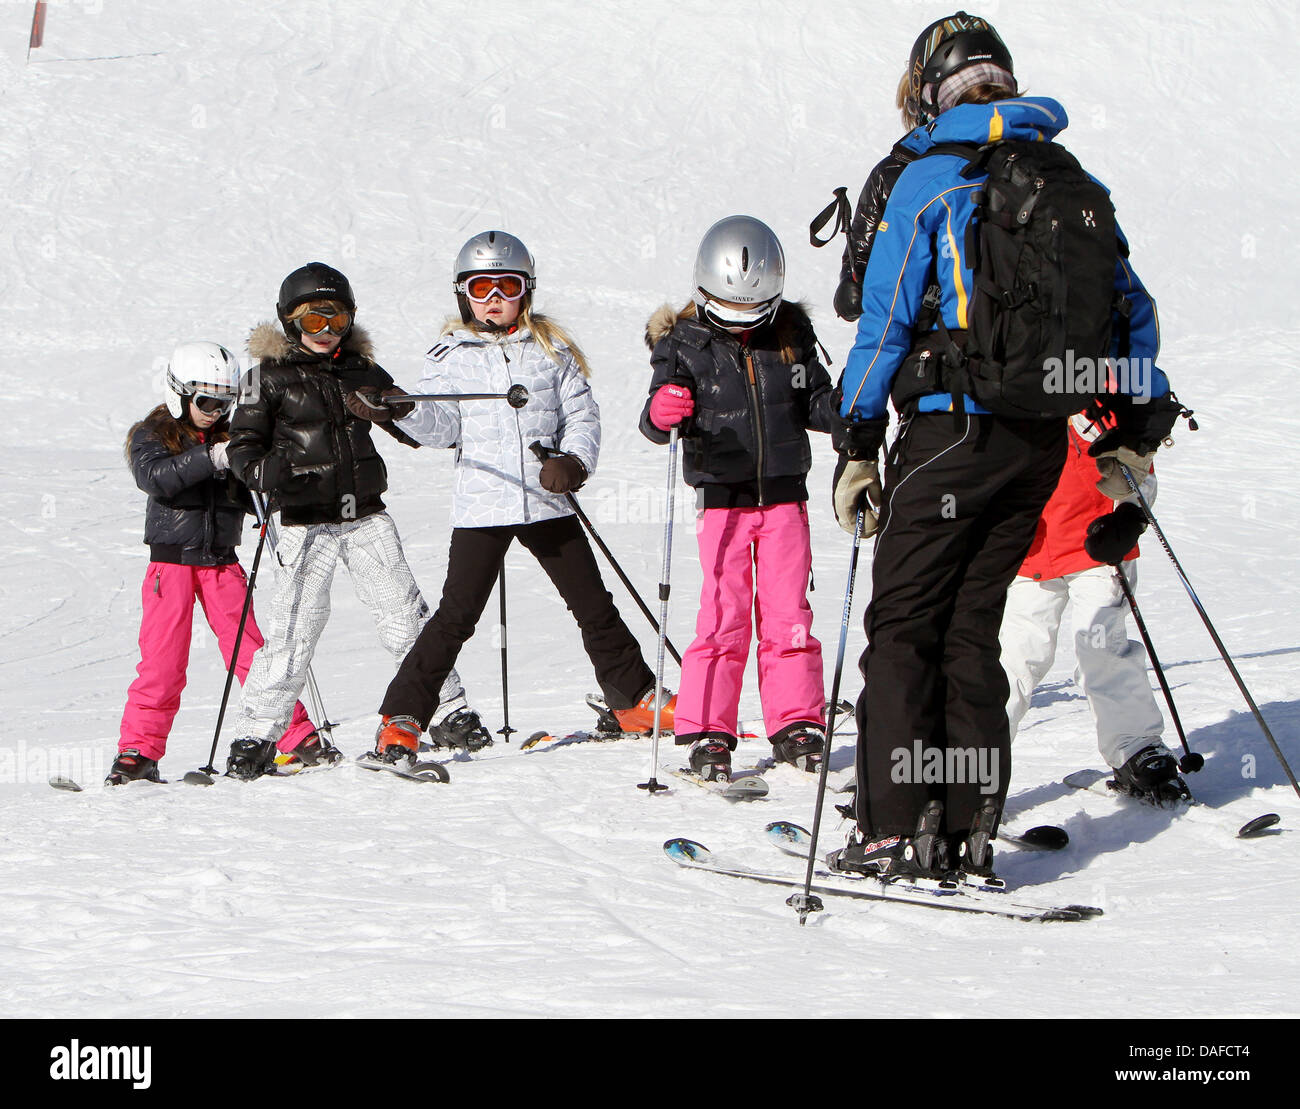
(1152, 776)
(895, 857)
(802, 745)
(974, 851)
(131, 766)
(463, 730)
(250, 758)
(710, 757)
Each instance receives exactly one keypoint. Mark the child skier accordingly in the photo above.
(294, 437)
(193, 522)
(964, 484)
(503, 492)
(737, 370)
(1079, 546)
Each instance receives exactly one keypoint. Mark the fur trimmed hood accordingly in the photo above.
(267, 342)
(789, 329)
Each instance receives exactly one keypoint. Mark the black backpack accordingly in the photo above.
(1043, 247)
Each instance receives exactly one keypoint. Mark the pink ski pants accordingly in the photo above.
(755, 560)
(167, 597)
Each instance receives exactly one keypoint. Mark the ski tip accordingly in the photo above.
(788, 832)
(685, 850)
(534, 739)
(431, 772)
(1046, 836)
(58, 781)
(1259, 826)
(197, 778)
(1082, 779)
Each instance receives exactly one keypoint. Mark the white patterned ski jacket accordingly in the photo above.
(496, 474)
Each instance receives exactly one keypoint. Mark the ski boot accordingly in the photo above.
(973, 853)
(131, 766)
(462, 729)
(315, 750)
(640, 718)
(892, 858)
(710, 757)
(1151, 775)
(250, 758)
(397, 740)
(802, 745)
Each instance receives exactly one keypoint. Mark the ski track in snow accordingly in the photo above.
(161, 195)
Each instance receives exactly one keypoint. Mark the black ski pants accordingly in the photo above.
(961, 502)
(473, 564)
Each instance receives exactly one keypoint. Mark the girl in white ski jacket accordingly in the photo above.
(504, 492)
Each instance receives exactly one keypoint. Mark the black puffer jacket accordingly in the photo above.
(866, 220)
(747, 442)
(293, 405)
(194, 517)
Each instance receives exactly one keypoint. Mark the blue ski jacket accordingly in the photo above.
(922, 238)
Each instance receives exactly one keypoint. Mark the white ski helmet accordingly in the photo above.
(200, 369)
(740, 260)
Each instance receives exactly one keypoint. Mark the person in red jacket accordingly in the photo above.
(1110, 668)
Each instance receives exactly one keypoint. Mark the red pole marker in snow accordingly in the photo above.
(38, 27)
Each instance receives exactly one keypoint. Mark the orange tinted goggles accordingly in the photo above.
(482, 287)
(313, 323)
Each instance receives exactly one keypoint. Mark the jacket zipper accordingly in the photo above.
(523, 484)
(756, 406)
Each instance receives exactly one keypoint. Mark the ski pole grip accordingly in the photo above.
(542, 453)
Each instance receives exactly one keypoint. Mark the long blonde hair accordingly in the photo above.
(550, 336)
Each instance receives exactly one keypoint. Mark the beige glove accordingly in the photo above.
(1113, 484)
(857, 485)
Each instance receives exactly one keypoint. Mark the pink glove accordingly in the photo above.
(670, 406)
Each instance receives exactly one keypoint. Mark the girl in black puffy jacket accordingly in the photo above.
(193, 522)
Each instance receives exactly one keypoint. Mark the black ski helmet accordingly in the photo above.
(945, 47)
(314, 281)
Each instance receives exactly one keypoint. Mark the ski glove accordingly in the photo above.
(563, 474)
(372, 404)
(273, 475)
(848, 297)
(857, 486)
(217, 455)
(1113, 450)
(1110, 537)
(670, 406)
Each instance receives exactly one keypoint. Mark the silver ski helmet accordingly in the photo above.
(946, 47)
(740, 260)
(202, 370)
(492, 252)
(314, 281)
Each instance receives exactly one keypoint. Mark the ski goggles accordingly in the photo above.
(314, 322)
(482, 287)
(212, 403)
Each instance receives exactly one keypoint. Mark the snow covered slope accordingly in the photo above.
(163, 165)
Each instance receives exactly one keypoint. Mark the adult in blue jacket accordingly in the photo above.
(963, 487)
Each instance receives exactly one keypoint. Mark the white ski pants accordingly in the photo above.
(1110, 668)
(308, 555)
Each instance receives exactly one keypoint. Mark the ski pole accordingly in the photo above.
(318, 713)
(1205, 619)
(239, 636)
(505, 728)
(542, 454)
(806, 902)
(653, 785)
(1190, 763)
(516, 396)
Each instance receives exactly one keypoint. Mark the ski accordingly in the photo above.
(1101, 782)
(58, 781)
(415, 772)
(695, 856)
(544, 740)
(743, 785)
(794, 840)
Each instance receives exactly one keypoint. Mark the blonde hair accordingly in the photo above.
(903, 101)
(550, 336)
(315, 306)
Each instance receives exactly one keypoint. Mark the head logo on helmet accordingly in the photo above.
(945, 48)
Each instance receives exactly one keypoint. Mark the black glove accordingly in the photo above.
(1109, 538)
(562, 473)
(379, 405)
(859, 440)
(274, 476)
(848, 297)
(1141, 425)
